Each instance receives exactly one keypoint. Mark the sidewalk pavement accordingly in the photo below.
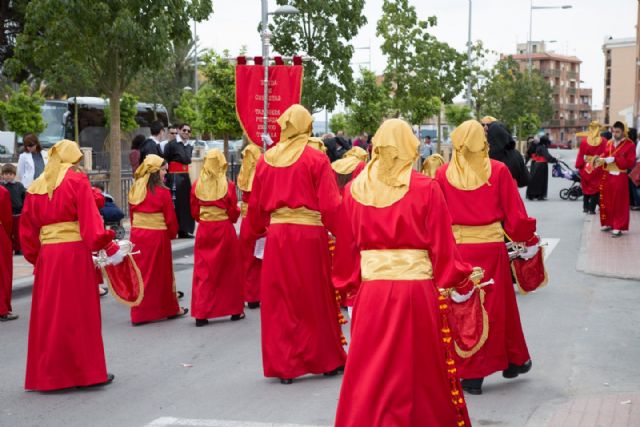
(602, 255)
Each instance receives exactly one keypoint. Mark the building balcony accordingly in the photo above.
(572, 90)
(572, 75)
(550, 73)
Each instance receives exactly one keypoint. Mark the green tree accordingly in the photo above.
(21, 112)
(370, 105)
(338, 122)
(187, 111)
(456, 114)
(422, 72)
(479, 75)
(108, 42)
(322, 30)
(216, 99)
(12, 15)
(517, 98)
(128, 112)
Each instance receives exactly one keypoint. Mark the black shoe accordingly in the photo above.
(110, 378)
(238, 317)
(183, 235)
(175, 316)
(8, 317)
(335, 372)
(253, 304)
(138, 323)
(180, 294)
(286, 381)
(201, 322)
(514, 370)
(472, 386)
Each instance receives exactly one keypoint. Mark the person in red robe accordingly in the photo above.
(591, 147)
(485, 204)
(294, 197)
(217, 269)
(153, 225)
(618, 157)
(349, 166)
(59, 229)
(6, 256)
(251, 266)
(395, 244)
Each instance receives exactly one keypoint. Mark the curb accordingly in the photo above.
(182, 247)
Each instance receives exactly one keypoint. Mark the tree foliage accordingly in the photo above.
(370, 105)
(21, 112)
(521, 100)
(187, 111)
(456, 114)
(323, 31)
(422, 72)
(216, 99)
(338, 122)
(12, 15)
(128, 112)
(107, 42)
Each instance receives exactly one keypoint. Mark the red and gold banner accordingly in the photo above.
(285, 85)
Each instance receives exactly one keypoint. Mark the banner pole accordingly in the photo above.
(265, 62)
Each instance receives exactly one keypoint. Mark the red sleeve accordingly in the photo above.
(6, 216)
(99, 197)
(256, 217)
(169, 214)
(232, 203)
(195, 203)
(580, 157)
(29, 232)
(626, 158)
(517, 223)
(328, 194)
(91, 225)
(346, 258)
(449, 270)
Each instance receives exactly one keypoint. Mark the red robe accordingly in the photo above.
(497, 201)
(6, 251)
(590, 182)
(300, 329)
(396, 373)
(217, 269)
(65, 338)
(155, 259)
(251, 266)
(614, 193)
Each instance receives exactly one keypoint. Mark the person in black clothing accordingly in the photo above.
(178, 155)
(502, 147)
(17, 193)
(336, 147)
(152, 144)
(537, 189)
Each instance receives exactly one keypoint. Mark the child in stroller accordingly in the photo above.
(563, 170)
(111, 213)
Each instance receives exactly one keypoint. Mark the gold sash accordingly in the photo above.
(490, 233)
(300, 216)
(213, 213)
(149, 221)
(244, 208)
(612, 167)
(395, 264)
(60, 232)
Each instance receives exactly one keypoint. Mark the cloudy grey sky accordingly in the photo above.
(500, 24)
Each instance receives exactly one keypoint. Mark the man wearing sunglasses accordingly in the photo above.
(172, 134)
(178, 156)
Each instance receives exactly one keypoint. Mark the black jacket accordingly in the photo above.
(502, 148)
(149, 146)
(17, 193)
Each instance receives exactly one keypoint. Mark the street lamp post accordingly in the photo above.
(531, 8)
(282, 10)
(469, 60)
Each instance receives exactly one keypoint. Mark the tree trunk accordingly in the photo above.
(439, 131)
(226, 146)
(76, 123)
(115, 149)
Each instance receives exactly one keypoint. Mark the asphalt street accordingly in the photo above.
(582, 332)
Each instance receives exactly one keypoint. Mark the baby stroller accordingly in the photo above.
(112, 216)
(563, 170)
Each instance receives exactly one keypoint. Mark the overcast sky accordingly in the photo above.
(500, 24)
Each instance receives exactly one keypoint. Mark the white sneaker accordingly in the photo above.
(605, 228)
(616, 233)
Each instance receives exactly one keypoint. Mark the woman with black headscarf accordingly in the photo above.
(502, 147)
(539, 182)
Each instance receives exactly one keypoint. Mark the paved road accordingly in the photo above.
(582, 332)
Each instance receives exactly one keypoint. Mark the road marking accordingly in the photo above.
(191, 422)
(551, 245)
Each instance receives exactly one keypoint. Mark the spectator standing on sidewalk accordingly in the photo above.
(6, 260)
(18, 193)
